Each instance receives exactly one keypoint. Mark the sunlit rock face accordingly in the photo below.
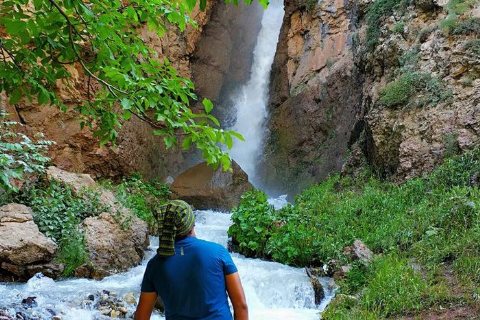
(315, 95)
(24, 250)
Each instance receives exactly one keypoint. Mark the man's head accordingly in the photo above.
(175, 220)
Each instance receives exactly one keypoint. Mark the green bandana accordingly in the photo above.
(175, 219)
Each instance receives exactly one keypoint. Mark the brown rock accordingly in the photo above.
(205, 188)
(358, 251)
(112, 248)
(21, 243)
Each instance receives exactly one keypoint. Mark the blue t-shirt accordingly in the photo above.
(192, 282)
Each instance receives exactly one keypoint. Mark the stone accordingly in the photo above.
(21, 242)
(358, 251)
(206, 188)
(111, 247)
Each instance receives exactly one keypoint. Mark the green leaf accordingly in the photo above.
(191, 4)
(236, 135)
(228, 140)
(15, 27)
(208, 105)
(38, 4)
(186, 143)
(203, 5)
(126, 103)
(15, 96)
(127, 115)
(43, 97)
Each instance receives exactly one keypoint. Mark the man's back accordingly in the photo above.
(191, 283)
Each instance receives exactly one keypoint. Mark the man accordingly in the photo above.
(191, 276)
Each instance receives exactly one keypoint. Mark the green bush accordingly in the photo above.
(399, 91)
(413, 89)
(470, 26)
(142, 197)
(20, 156)
(72, 252)
(57, 210)
(376, 14)
(253, 221)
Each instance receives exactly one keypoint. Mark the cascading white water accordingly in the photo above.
(274, 291)
(250, 103)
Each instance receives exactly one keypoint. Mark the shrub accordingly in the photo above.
(413, 89)
(448, 24)
(253, 220)
(470, 26)
(399, 91)
(142, 197)
(377, 11)
(472, 45)
(72, 252)
(398, 27)
(57, 210)
(20, 156)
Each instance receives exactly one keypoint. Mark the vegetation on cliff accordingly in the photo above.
(424, 234)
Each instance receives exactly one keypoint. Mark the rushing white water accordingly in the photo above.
(274, 291)
(250, 103)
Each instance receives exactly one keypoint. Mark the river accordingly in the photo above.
(274, 291)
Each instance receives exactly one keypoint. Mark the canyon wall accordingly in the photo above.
(315, 95)
(398, 92)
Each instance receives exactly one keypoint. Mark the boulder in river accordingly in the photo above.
(206, 188)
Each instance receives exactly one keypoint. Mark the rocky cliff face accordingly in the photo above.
(399, 89)
(315, 95)
(431, 50)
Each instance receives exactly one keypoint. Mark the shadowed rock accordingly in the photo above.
(205, 188)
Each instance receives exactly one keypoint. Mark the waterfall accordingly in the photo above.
(251, 101)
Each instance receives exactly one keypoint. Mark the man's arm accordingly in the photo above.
(145, 305)
(237, 296)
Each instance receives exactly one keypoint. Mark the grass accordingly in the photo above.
(416, 230)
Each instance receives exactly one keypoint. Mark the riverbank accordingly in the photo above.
(424, 234)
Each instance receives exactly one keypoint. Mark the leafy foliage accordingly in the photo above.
(20, 156)
(377, 11)
(72, 252)
(142, 197)
(45, 39)
(57, 210)
(253, 222)
(414, 89)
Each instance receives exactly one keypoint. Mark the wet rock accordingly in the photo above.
(113, 248)
(29, 302)
(317, 287)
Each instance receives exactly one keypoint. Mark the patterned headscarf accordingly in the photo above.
(176, 219)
